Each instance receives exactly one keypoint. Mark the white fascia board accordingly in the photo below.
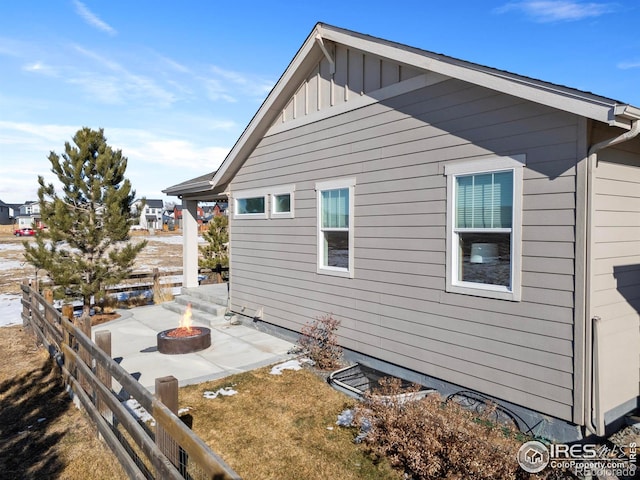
(540, 92)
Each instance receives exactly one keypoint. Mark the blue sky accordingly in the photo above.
(173, 84)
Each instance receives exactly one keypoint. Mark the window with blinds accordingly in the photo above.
(335, 227)
(484, 226)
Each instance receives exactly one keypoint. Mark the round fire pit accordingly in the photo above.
(176, 340)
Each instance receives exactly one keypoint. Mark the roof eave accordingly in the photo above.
(191, 188)
(563, 98)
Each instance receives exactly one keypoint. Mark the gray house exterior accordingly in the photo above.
(6, 214)
(476, 227)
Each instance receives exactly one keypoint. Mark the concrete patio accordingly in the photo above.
(234, 348)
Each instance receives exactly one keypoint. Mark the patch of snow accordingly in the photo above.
(346, 418)
(289, 365)
(136, 409)
(168, 239)
(11, 265)
(225, 392)
(11, 246)
(10, 309)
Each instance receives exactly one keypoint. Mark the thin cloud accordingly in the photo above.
(549, 11)
(150, 148)
(226, 81)
(628, 65)
(41, 68)
(92, 19)
(120, 86)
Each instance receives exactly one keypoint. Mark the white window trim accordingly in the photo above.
(349, 183)
(283, 190)
(254, 193)
(515, 164)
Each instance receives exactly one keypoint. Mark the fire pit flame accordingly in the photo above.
(185, 329)
(185, 321)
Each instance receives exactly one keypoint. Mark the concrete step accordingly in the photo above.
(206, 318)
(200, 304)
(214, 293)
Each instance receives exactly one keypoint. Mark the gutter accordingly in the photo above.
(592, 415)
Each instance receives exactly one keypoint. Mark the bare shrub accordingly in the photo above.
(318, 338)
(160, 294)
(431, 439)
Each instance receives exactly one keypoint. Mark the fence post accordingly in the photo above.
(167, 393)
(34, 306)
(157, 294)
(48, 297)
(103, 341)
(218, 273)
(85, 326)
(26, 310)
(67, 311)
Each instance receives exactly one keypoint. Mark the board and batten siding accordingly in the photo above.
(357, 73)
(396, 308)
(615, 278)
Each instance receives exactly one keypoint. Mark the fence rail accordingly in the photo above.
(167, 449)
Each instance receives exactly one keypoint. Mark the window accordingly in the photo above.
(335, 227)
(282, 201)
(250, 206)
(250, 203)
(484, 218)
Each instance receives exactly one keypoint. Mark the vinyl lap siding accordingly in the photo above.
(615, 283)
(395, 308)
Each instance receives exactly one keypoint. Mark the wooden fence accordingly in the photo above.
(163, 449)
(149, 284)
(155, 280)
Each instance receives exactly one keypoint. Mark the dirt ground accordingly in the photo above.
(163, 251)
(42, 434)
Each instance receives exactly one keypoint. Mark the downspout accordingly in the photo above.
(592, 421)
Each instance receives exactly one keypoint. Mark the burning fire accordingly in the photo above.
(185, 321)
(185, 329)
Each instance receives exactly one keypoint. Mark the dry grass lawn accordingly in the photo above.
(281, 427)
(276, 427)
(42, 434)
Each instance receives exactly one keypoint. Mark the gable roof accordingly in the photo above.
(315, 49)
(154, 203)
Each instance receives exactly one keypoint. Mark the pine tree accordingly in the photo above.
(85, 247)
(217, 238)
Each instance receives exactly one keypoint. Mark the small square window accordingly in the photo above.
(282, 203)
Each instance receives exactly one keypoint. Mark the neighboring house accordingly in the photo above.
(6, 214)
(220, 208)
(29, 215)
(150, 215)
(216, 210)
(177, 214)
(472, 229)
